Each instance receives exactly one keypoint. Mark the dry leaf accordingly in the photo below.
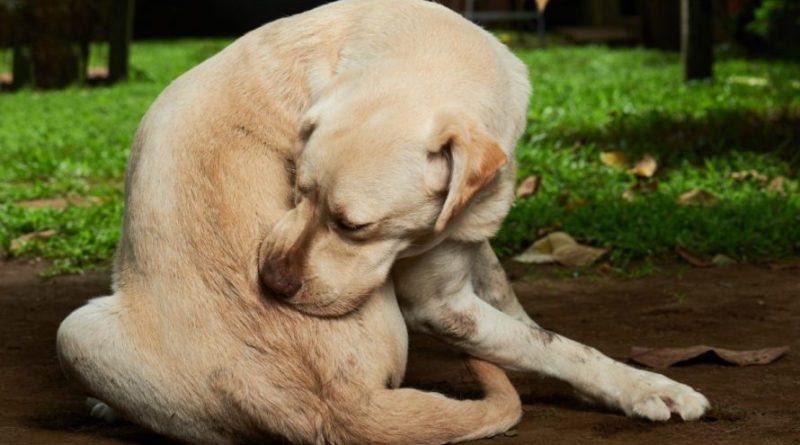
(85, 201)
(51, 203)
(628, 195)
(646, 167)
(529, 186)
(60, 203)
(18, 243)
(776, 185)
(698, 197)
(744, 175)
(559, 247)
(784, 266)
(614, 159)
(642, 184)
(722, 260)
(661, 358)
(691, 259)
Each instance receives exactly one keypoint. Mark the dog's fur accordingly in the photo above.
(275, 196)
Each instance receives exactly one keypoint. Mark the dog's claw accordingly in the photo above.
(657, 398)
(100, 410)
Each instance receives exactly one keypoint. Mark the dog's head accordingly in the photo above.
(372, 183)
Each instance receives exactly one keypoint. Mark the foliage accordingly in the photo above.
(778, 23)
(587, 101)
(74, 143)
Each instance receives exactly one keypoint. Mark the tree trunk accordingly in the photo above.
(57, 63)
(697, 39)
(22, 67)
(120, 32)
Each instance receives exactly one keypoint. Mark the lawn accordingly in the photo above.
(594, 113)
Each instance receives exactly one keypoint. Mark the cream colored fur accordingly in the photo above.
(190, 344)
(276, 196)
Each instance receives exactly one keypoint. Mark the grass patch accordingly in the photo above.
(76, 142)
(586, 101)
(591, 100)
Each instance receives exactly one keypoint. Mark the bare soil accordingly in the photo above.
(738, 307)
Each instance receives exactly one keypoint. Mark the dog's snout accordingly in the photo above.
(279, 280)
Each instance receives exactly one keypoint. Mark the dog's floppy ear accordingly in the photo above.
(474, 159)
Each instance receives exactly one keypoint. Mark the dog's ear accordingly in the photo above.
(473, 157)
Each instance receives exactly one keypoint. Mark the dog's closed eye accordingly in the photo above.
(346, 225)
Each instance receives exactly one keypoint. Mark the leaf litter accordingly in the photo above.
(561, 248)
(660, 358)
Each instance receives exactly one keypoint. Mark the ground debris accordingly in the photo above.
(692, 259)
(18, 243)
(646, 167)
(529, 186)
(660, 358)
(561, 248)
(698, 197)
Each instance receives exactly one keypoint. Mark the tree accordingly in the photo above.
(697, 39)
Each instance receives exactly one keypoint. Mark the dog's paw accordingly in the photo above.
(656, 398)
(100, 410)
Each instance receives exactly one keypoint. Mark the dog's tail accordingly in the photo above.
(409, 416)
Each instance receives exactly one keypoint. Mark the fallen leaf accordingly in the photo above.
(646, 185)
(60, 203)
(646, 167)
(560, 247)
(784, 266)
(698, 197)
(529, 186)
(18, 243)
(660, 358)
(722, 260)
(50, 203)
(614, 159)
(85, 201)
(744, 175)
(691, 259)
(776, 185)
(628, 195)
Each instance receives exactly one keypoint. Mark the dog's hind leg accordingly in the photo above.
(408, 416)
(97, 354)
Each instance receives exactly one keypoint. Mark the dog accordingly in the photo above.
(296, 200)
(193, 344)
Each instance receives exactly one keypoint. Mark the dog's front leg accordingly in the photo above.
(490, 282)
(437, 297)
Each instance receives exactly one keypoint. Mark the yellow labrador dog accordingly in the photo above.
(277, 197)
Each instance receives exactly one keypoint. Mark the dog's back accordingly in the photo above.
(188, 344)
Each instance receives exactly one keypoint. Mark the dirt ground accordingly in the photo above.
(737, 307)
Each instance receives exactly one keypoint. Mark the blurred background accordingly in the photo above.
(659, 131)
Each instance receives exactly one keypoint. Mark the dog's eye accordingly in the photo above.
(348, 226)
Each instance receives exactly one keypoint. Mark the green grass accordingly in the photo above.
(76, 143)
(586, 101)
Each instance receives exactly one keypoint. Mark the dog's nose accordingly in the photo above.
(278, 279)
